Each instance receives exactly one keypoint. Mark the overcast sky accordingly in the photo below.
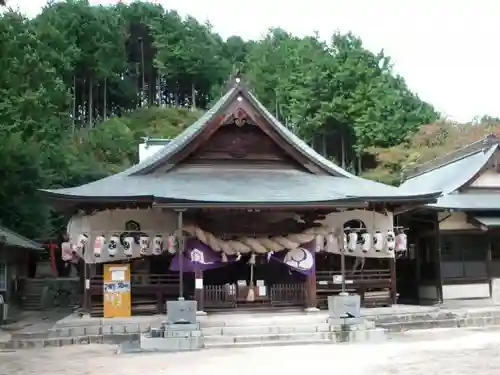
(448, 51)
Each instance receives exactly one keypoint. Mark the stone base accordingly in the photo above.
(351, 323)
(311, 309)
(344, 305)
(171, 344)
(362, 335)
(172, 338)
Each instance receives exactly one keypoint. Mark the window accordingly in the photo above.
(3, 276)
(464, 256)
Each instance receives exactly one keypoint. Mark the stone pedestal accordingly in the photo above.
(346, 323)
(344, 306)
(180, 332)
(173, 338)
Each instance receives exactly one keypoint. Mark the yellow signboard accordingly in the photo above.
(116, 291)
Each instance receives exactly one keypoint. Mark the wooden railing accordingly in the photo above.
(374, 285)
(287, 294)
(230, 295)
(356, 277)
(219, 296)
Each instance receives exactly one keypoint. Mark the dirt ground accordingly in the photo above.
(457, 352)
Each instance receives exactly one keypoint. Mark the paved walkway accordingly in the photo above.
(444, 352)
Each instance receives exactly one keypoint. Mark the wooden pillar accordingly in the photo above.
(198, 291)
(437, 261)
(394, 293)
(87, 297)
(310, 284)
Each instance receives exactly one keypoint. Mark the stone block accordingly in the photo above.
(96, 339)
(181, 310)
(170, 344)
(340, 306)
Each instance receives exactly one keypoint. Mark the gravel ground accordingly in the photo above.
(443, 352)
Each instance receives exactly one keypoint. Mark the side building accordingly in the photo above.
(456, 252)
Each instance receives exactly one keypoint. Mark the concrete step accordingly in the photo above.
(469, 322)
(265, 329)
(265, 344)
(374, 335)
(262, 320)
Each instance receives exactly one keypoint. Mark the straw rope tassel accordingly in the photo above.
(251, 293)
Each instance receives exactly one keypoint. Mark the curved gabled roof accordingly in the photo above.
(207, 184)
(452, 175)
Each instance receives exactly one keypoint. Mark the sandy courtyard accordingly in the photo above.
(442, 352)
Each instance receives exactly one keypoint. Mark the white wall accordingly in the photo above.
(454, 221)
(372, 220)
(489, 179)
(495, 289)
(464, 291)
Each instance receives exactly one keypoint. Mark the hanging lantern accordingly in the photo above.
(66, 252)
(366, 242)
(158, 245)
(99, 245)
(113, 245)
(128, 246)
(401, 242)
(352, 241)
(332, 244)
(320, 243)
(82, 241)
(171, 242)
(390, 238)
(144, 245)
(378, 241)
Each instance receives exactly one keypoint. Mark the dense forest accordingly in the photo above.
(80, 84)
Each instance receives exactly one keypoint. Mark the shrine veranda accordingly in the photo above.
(237, 212)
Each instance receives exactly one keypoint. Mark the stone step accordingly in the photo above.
(373, 335)
(249, 320)
(235, 345)
(474, 322)
(265, 329)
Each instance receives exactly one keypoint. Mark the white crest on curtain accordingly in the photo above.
(299, 258)
(197, 256)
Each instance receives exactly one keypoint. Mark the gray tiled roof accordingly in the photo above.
(489, 221)
(450, 176)
(14, 239)
(468, 202)
(232, 185)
